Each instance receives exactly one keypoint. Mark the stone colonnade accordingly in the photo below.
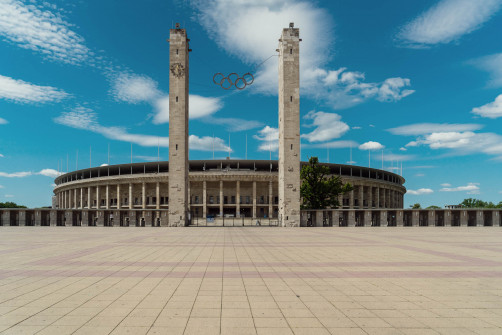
(253, 196)
(320, 218)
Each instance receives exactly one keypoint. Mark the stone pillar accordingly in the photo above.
(377, 194)
(318, 218)
(367, 219)
(178, 126)
(85, 218)
(65, 199)
(38, 218)
(464, 219)
(75, 202)
(415, 218)
(89, 192)
(351, 219)
(221, 198)
(361, 196)
(254, 199)
(335, 217)
(53, 218)
(143, 195)
(238, 199)
(107, 197)
(383, 218)
(204, 199)
(340, 201)
(480, 218)
(98, 202)
(351, 199)
(81, 198)
(431, 218)
(289, 126)
(119, 204)
(100, 222)
(270, 199)
(447, 215)
(496, 219)
(130, 196)
(157, 195)
(22, 218)
(399, 218)
(370, 197)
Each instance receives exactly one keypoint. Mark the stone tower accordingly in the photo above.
(178, 127)
(289, 127)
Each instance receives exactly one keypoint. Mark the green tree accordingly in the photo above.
(9, 204)
(319, 188)
(415, 206)
(433, 207)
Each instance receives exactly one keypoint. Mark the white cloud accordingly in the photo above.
(1, 156)
(446, 185)
(199, 107)
(3, 121)
(370, 145)
(327, 126)
(269, 137)
(35, 28)
(23, 92)
(86, 119)
(403, 149)
(15, 174)
(249, 30)
(491, 110)
(493, 65)
(419, 175)
(356, 128)
(45, 172)
(133, 88)
(49, 173)
(206, 143)
(233, 124)
(9, 196)
(332, 145)
(447, 21)
(462, 142)
(401, 158)
(427, 128)
(1, 186)
(420, 191)
(471, 188)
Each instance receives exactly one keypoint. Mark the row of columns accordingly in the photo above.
(383, 218)
(68, 198)
(384, 197)
(65, 199)
(351, 218)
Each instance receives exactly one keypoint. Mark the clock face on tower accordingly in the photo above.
(177, 70)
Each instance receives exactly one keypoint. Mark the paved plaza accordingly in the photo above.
(255, 280)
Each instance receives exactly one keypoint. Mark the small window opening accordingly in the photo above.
(291, 146)
(176, 51)
(290, 51)
(176, 147)
(176, 99)
(291, 98)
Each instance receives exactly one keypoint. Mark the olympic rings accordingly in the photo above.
(233, 79)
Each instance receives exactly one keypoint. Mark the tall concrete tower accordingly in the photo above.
(178, 127)
(289, 127)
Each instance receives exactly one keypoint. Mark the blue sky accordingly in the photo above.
(419, 81)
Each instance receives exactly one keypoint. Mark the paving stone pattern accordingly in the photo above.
(259, 280)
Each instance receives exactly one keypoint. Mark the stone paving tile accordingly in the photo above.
(89, 280)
